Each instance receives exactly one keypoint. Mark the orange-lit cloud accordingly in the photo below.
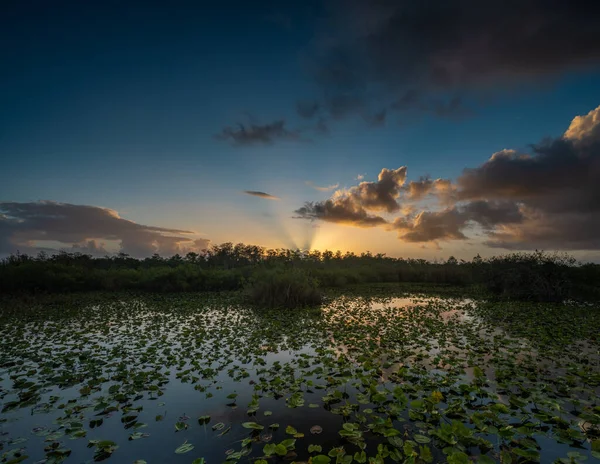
(547, 198)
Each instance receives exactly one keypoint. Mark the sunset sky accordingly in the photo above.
(416, 129)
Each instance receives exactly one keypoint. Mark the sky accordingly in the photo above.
(415, 129)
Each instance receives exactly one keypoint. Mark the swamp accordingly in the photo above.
(373, 374)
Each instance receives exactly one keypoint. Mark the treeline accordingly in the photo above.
(534, 276)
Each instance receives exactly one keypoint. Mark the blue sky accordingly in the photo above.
(119, 106)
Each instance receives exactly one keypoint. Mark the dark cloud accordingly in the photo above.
(428, 226)
(24, 225)
(556, 187)
(418, 190)
(380, 59)
(451, 223)
(489, 214)
(539, 230)
(264, 195)
(257, 134)
(342, 210)
(428, 56)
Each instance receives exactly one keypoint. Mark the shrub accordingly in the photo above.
(535, 277)
(288, 288)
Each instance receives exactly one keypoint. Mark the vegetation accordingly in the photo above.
(534, 276)
(290, 289)
(194, 378)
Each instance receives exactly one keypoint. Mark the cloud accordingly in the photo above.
(430, 226)
(352, 206)
(322, 189)
(342, 210)
(556, 187)
(558, 176)
(385, 59)
(418, 190)
(264, 195)
(24, 225)
(585, 128)
(434, 56)
(257, 134)
(548, 197)
(380, 195)
(489, 214)
(89, 247)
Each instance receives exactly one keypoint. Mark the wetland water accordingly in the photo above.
(173, 379)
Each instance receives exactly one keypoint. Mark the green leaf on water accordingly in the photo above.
(184, 448)
(421, 439)
(320, 459)
(252, 425)
(218, 426)
(458, 458)
(290, 430)
(269, 449)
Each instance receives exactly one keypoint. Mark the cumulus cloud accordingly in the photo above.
(266, 196)
(556, 187)
(418, 190)
(489, 214)
(585, 128)
(560, 175)
(352, 206)
(258, 134)
(430, 226)
(380, 195)
(80, 227)
(328, 188)
(341, 210)
(547, 198)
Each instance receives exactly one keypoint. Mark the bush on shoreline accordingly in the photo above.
(290, 289)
